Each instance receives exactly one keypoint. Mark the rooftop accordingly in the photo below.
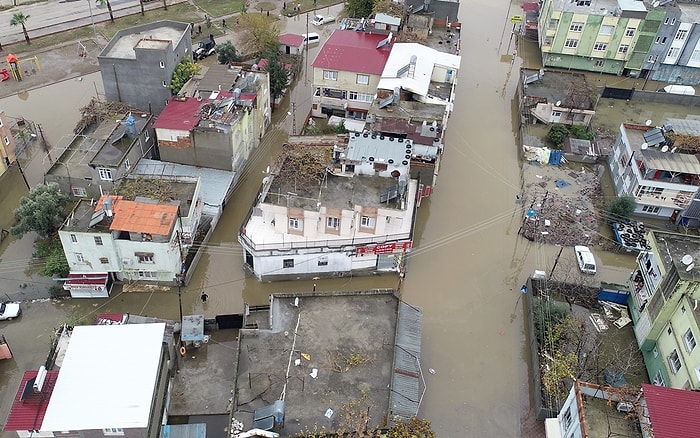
(215, 110)
(141, 217)
(347, 50)
(656, 156)
(159, 35)
(107, 145)
(557, 86)
(417, 80)
(349, 338)
(121, 363)
(28, 410)
(599, 7)
(674, 413)
(673, 249)
(291, 39)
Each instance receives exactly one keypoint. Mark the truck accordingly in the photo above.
(206, 47)
(320, 20)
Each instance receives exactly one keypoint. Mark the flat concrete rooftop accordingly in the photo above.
(348, 338)
(150, 36)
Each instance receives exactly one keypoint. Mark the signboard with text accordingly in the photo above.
(384, 248)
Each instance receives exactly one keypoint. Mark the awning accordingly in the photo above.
(92, 280)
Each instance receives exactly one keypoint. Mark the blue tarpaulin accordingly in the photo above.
(555, 156)
(561, 183)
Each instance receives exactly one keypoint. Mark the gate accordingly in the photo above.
(617, 93)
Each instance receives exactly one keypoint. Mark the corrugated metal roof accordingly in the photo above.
(347, 50)
(198, 430)
(684, 126)
(28, 414)
(685, 163)
(667, 417)
(291, 39)
(142, 217)
(215, 184)
(406, 381)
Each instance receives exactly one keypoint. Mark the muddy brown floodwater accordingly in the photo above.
(465, 270)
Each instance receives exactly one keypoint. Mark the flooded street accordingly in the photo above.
(465, 270)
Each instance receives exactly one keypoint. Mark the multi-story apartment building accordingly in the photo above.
(663, 305)
(662, 177)
(137, 64)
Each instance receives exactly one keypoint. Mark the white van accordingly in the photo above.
(679, 89)
(311, 39)
(585, 259)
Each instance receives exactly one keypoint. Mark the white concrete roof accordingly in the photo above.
(388, 19)
(107, 379)
(426, 59)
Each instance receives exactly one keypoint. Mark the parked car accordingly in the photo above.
(206, 48)
(9, 311)
(320, 20)
(585, 259)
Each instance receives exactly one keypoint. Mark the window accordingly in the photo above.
(655, 352)
(566, 419)
(674, 362)
(660, 40)
(144, 257)
(104, 260)
(674, 52)
(1, 125)
(629, 32)
(333, 222)
(548, 40)
(78, 191)
(667, 20)
(113, 432)
(623, 48)
(323, 261)
(583, 2)
(363, 79)
(599, 63)
(147, 275)
(367, 221)
(288, 263)
(651, 209)
(553, 23)
(7, 140)
(162, 64)
(571, 43)
(658, 379)
(295, 223)
(79, 257)
(127, 164)
(105, 174)
(330, 75)
(73, 238)
(689, 340)
(556, 113)
(600, 47)
(681, 35)
(576, 27)
(98, 240)
(606, 29)
(360, 97)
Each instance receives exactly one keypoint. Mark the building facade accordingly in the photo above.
(137, 64)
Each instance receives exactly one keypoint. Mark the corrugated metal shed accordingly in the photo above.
(198, 430)
(684, 163)
(407, 385)
(28, 413)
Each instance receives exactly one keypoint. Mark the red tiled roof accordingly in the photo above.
(263, 63)
(674, 413)
(291, 40)
(348, 50)
(180, 113)
(141, 217)
(111, 318)
(90, 278)
(28, 414)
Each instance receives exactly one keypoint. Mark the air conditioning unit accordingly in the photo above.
(126, 261)
(624, 407)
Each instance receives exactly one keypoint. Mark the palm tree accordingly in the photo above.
(109, 8)
(21, 19)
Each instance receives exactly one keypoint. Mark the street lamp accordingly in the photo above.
(92, 20)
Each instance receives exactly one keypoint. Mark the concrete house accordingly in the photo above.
(661, 173)
(608, 37)
(324, 213)
(137, 64)
(216, 129)
(90, 164)
(112, 381)
(7, 143)
(346, 73)
(132, 237)
(663, 307)
(678, 42)
(291, 43)
(555, 97)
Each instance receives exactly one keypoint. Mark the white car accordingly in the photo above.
(320, 20)
(9, 311)
(585, 259)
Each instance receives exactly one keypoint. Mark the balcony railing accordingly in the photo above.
(323, 243)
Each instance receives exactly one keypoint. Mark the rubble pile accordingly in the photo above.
(559, 206)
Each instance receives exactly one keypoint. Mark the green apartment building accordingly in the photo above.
(664, 305)
(605, 36)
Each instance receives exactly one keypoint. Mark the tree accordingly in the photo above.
(18, 18)
(257, 33)
(109, 8)
(359, 8)
(51, 251)
(388, 7)
(183, 72)
(42, 211)
(227, 53)
(621, 208)
(278, 74)
(557, 133)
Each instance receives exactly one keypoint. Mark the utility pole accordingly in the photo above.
(306, 47)
(294, 118)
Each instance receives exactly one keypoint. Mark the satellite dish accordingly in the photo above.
(674, 149)
(558, 103)
(266, 180)
(687, 259)
(664, 149)
(655, 4)
(690, 267)
(648, 122)
(645, 145)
